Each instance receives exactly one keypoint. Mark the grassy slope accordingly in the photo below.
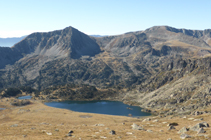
(41, 117)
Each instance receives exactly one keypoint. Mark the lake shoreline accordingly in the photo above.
(36, 120)
(100, 107)
(130, 103)
(125, 108)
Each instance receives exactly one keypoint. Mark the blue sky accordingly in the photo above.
(103, 17)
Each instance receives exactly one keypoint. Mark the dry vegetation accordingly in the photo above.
(34, 121)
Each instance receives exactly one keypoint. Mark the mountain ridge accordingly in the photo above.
(57, 38)
(60, 43)
(145, 64)
(69, 44)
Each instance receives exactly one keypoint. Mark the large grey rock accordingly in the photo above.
(196, 113)
(69, 134)
(199, 125)
(201, 130)
(183, 130)
(136, 127)
(171, 127)
(147, 119)
(184, 136)
(204, 124)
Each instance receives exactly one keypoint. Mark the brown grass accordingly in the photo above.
(41, 117)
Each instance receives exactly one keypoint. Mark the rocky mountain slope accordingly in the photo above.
(161, 66)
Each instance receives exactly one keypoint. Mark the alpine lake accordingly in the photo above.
(99, 107)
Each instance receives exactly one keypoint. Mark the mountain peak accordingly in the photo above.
(66, 42)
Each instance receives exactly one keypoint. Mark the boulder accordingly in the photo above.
(184, 136)
(196, 113)
(205, 124)
(199, 125)
(147, 119)
(136, 127)
(48, 133)
(70, 133)
(183, 130)
(190, 119)
(201, 130)
(171, 127)
(112, 132)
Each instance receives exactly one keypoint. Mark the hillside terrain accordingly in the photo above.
(37, 121)
(163, 69)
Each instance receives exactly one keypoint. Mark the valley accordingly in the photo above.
(37, 121)
(161, 66)
(164, 70)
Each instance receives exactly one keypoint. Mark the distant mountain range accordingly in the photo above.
(68, 55)
(161, 65)
(9, 42)
(98, 35)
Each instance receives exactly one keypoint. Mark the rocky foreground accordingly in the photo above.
(34, 120)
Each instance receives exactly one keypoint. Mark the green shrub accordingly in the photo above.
(11, 92)
(21, 102)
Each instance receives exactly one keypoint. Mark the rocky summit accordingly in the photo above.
(162, 69)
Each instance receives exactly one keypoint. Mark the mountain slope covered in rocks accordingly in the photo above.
(159, 68)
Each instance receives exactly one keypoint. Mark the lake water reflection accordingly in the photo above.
(25, 97)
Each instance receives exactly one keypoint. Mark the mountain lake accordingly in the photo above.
(99, 107)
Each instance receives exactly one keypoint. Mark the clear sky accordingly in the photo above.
(101, 17)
